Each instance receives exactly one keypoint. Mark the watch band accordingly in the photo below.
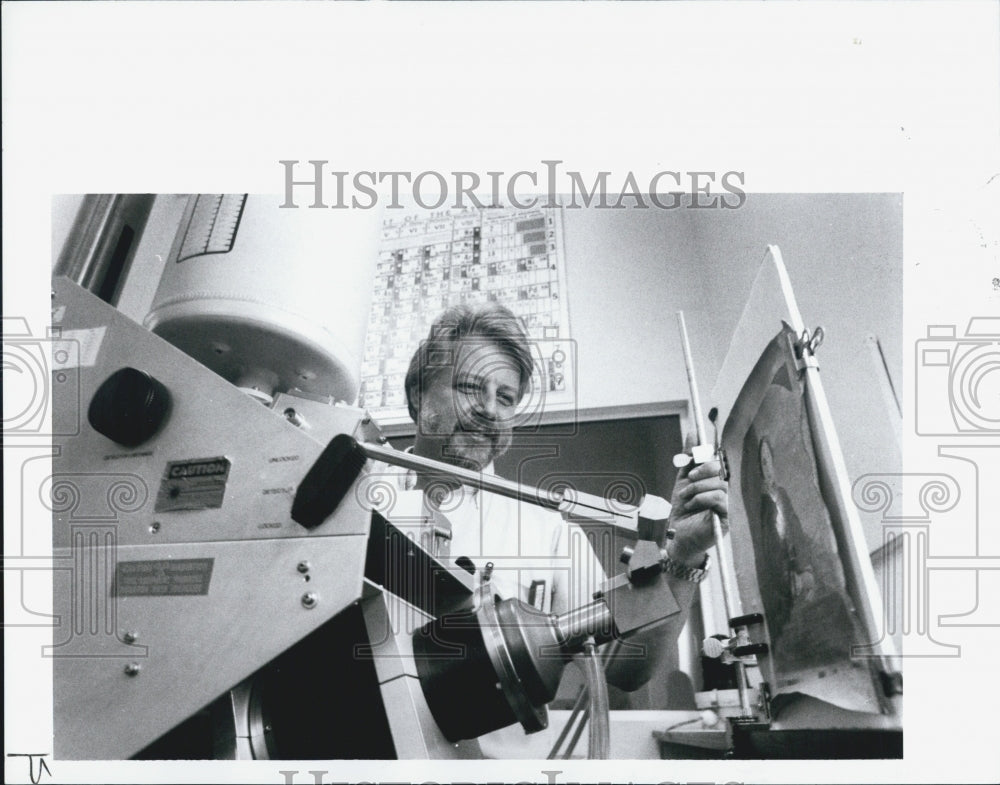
(684, 573)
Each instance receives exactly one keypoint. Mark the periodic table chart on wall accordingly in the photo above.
(430, 260)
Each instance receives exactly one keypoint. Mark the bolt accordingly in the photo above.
(131, 637)
(154, 527)
(294, 417)
(309, 600)
(303, 566)
(132, 669)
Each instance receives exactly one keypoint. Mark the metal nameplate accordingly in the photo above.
(162, 577)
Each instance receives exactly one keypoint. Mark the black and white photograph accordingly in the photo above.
(533, 392)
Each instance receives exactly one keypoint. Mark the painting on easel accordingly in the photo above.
(795, 578)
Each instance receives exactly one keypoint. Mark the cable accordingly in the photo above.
(608, 656)
(599, 742)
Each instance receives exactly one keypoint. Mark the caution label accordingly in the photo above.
(193, 485)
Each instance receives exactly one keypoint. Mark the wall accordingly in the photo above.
(629, 271)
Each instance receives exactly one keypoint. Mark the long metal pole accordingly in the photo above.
(567, 500)
(485, 482)
(699, 425)
(721, 549)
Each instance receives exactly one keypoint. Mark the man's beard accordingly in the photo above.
(475, 449)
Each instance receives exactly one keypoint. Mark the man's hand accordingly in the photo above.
(698, 492)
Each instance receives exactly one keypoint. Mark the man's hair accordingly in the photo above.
(486, 322)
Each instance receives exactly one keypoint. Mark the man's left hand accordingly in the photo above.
(698, 492)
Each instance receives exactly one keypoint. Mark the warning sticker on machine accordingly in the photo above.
(193, 485)
(162, 577)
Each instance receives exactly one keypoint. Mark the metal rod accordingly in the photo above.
(728, 593)
(581, 700)
(722, 552)
(699, 426)
(597, 506)
(484, 482)
(576, 734)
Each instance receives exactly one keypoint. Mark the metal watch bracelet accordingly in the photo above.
(685, 573)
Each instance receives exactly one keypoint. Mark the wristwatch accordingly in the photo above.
(685, 573)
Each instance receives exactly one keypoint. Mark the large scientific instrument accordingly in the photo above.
(229, 589)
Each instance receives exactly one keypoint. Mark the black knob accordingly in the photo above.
(746, 620)
(328, 481)
(751, 648)
(129, 407)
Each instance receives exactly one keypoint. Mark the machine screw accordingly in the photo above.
(154, 527)
(310, 599)
(303, 566)
(294, 417)
(130, 637)
(132, 669)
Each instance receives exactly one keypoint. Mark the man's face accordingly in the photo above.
(467, 411)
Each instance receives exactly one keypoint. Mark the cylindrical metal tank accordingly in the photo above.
(272, 299)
